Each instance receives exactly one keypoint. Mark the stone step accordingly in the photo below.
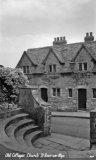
(19, 135)
(5, 122)
(30, 138)
(11, 128)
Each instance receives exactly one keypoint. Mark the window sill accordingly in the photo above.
(94, 98)
(56, 96)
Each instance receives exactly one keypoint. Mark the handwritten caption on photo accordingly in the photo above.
(37, 155)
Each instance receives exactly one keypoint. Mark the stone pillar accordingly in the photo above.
(92, 128)
(47, 120)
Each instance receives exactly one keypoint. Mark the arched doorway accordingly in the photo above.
(44, 94)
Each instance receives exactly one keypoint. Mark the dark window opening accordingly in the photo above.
(80, 66)
(26, 69)
(56, 92)
(54, 67)
(70, 92)
(94, 92)
(85, 66)
(50, 68)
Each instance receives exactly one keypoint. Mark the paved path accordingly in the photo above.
(63, 142)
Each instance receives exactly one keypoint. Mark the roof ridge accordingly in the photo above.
(30, 49)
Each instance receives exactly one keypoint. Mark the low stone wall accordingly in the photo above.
(39, 110)
(10, 113)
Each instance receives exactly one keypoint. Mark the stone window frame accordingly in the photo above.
(56, 92)
(94, 93)
(70, 92)
(26, 69)
(52, 68)
(83, 66)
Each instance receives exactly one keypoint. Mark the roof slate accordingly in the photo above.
(64, 53)
(38, 54)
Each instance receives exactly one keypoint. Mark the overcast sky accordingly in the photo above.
(34, 23)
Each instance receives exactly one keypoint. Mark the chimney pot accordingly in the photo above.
(89, 38)
(87, 34)
(57, 38)
(91, 34)
(61, 38)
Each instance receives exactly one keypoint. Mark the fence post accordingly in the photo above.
(92, 128)
(47, 120)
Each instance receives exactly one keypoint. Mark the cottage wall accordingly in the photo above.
(67, 79)
(82, 57)
(26, 62)
(52, 59)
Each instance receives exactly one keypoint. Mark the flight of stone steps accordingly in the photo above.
(19, 133)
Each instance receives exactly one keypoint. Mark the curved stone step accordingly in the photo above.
(11, 128)
(15, 119)
(19, 134)
(30, 138)
(5, 122)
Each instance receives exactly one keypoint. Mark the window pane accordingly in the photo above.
(85, 66)
(94, 92)
(80, 66)
(27, 69)
(54, 91)
(24, 69)
(58, 92)
(54, 67)
(70, 92)
(50, 68)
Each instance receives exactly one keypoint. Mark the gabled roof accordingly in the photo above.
(37, 55)
(57, 55)
(65, 53)
(25, 54)
(86, 48)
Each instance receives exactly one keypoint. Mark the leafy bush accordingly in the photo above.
(11, 80)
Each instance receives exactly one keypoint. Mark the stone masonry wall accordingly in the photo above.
(75, 81)
(64, 82)
(26, 62)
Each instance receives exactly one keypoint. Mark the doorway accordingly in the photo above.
(44, 94)
(82, 99)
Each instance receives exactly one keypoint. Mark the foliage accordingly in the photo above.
(10, 82)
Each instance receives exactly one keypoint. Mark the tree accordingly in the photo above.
(10, 82)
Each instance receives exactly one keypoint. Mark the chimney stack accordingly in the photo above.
(89, 37)
(59, 40)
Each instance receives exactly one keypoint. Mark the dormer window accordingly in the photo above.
(26, 69)
(52, 68)
(83, 66)
(80, 66)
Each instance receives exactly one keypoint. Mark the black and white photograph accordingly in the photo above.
(47, 79)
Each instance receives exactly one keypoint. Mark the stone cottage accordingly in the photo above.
(63, 74)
